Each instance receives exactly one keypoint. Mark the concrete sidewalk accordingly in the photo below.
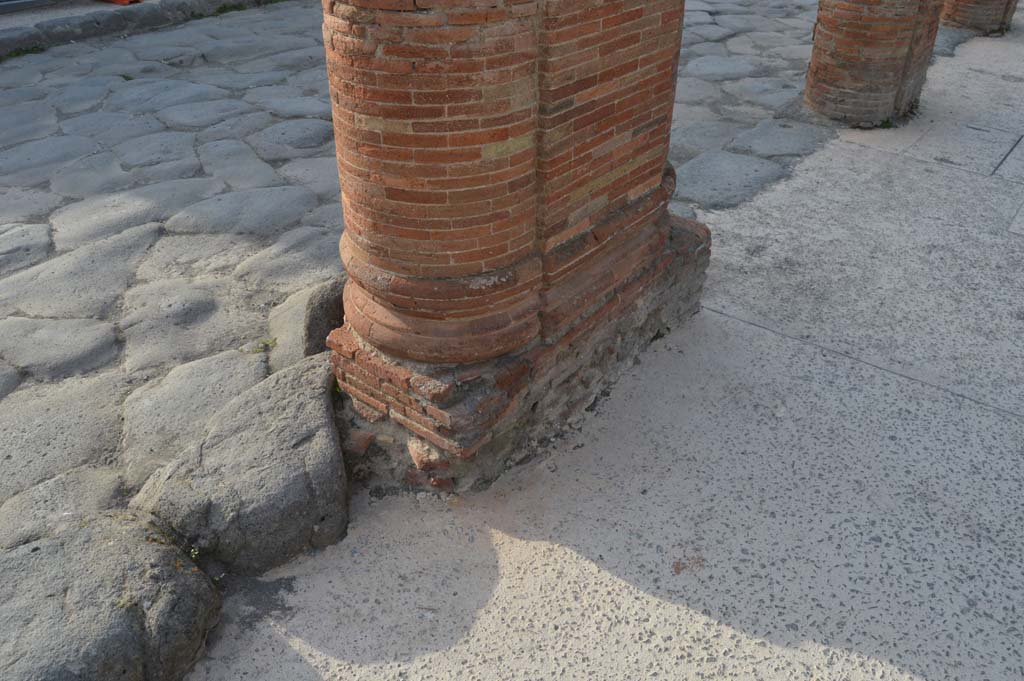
(819, 477)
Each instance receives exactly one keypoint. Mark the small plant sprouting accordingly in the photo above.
(193, 553)
(887, 124)
(229, 7)
(21, 52)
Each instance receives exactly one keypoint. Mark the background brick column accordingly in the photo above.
(987, 16)
(870, 58)
(505, 181)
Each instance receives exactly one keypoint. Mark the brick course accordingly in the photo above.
(986, 16)
(870, 58)
(505, 182)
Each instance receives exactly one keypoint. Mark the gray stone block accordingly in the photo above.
(298, 259)
(103, 596)
(778, 137)
(86, 282)
(97, 216)
(49, 429)
(268, 481)
(155, 434)
(718, 179)
(266, 211)
(234, 162)
(56, 348)
(172, 321)
(300, 325)
(22, 245)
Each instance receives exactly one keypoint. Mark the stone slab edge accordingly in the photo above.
(116, 20)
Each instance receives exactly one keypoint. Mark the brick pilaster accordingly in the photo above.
(505, 182)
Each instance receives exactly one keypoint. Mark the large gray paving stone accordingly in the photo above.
(268, 480)
(234, 162)
(28, 515)
(170, 322)
(746, 22)
(772, 93)
(87, 282)
(182, 169)
(695, 90)
(14, 77)
(776, 137)
(299, 326)
(19, 205)
(328, 216)
(101, 597)
(160, 147)
(245, 50)
(28, 121)
(149, 95)
(98, 216)
(57, 348)
(109, 128)
(692, 139)
(290, 101)
(230, 79)
(51, 428)
(203, 114)
(33, 162)
(97, 174)
(22, 245)
(718, 179)
(74, 99)
(238, 127)
(319, 174)
(292, 60)
(292, 139)
(313, 81)
(193, 255)
(265, 211)
(20, 95)
(163, 418)
(706, 32)
(714, 68)
(299, 258)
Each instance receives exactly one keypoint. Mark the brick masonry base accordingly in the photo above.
(453, 428)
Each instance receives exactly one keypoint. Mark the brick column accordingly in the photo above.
(870, 58)
(986, 16)
(504, 177)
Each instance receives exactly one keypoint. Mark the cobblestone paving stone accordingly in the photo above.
(161, 193)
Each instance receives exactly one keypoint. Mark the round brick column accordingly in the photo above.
(435, 111)
(987, 16)
(870, 58)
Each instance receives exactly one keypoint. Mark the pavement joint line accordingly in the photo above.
(902, 153)
(825, 348)
(1007, 154)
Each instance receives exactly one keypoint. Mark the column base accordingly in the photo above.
(453, 428)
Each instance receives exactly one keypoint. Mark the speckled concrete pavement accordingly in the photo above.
(818, 477)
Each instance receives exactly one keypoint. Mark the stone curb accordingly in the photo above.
(116, 20)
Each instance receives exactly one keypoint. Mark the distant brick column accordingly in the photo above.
(987, 16)
(870, 58)
(504, 176)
